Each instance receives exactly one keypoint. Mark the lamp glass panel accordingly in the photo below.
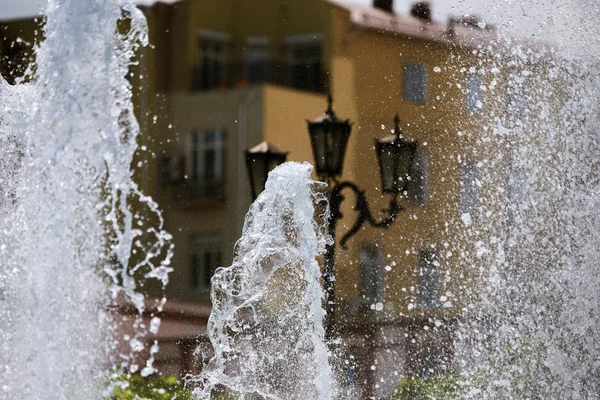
(275, 160)
(338, 141)
(258, 169)
(342, 143)
(317, 137)
(387, 162)
(403, 161)
(333, 150)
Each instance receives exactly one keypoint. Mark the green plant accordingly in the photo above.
(517, 370)
(445, 387)
(136, 387)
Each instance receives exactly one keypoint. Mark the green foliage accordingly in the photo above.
(136, 387)
(517, 371)
(440, 388)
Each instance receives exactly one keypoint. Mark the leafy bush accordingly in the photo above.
(136, 387)
(516, 371)
(440, 388)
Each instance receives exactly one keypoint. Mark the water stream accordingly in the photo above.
(266, 326)
(71, 214)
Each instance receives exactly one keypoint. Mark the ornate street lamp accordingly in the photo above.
(329, 137)
(396, 156)
(260, 160)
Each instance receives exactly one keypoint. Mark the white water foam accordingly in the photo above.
(71, 214)
(266, 326)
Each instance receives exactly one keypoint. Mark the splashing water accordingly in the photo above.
(71, 215)
(529, 330)
(68, 220)
(266, 326)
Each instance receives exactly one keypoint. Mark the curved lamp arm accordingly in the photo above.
(361, 205)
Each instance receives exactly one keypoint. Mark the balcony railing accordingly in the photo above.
(188, 193)
(308, 77)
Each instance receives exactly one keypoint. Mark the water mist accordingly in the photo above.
(68, 224)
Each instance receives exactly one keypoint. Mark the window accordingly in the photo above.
(468, 187)
(517, 182)
(473, 93)
(518, 107)
(415, 82)
(428, 279)
(172, 169)
(212, 57)
(206, 162)
(257, 60)
(371, 273)
(305, 62)
(417, 188)
(205, 258)
(350, 371)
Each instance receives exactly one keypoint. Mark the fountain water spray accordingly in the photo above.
(266, 326)
(533, 308)
(71, 214)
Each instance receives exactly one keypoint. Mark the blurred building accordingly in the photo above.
(224, 75)
(227, 75)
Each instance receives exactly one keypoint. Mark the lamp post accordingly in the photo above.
(329, 138)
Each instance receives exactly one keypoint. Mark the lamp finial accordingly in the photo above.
(329, 104)
(397, 129)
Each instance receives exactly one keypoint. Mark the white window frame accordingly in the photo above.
(197, 147)
(371, 272)
(469, 184)
(474, 93)
(416, 190)
(310, 38)
(517, 109)
(200, 246)
(429, 278)
(406, 88)
(257, 52)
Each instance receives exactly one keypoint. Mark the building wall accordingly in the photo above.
(364, 74)
(366, 78)
(377, 60)
(239, 114)
(247, 113)
(285, 114)
(238, 20)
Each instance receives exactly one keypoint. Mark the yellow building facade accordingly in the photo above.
(224, 75)
(231, 74)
